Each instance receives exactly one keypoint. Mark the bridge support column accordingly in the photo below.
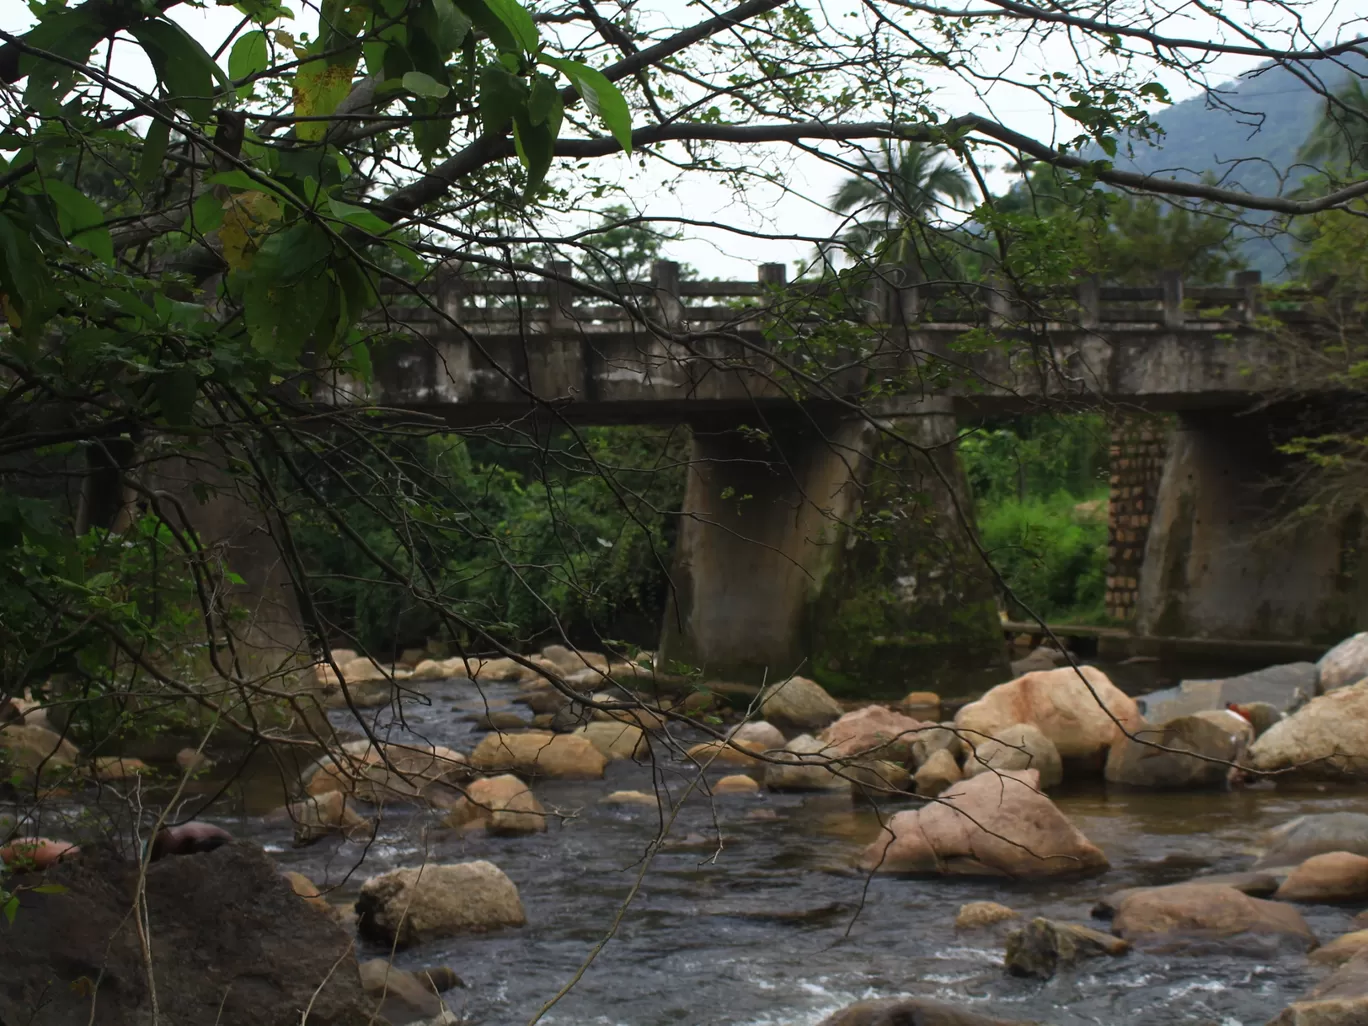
(1138, 442)
(834, 551)
(1223, 559)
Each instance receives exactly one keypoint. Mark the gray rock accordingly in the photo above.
(1135, 763)
(1280, 686)
(1346, 663)
(1255, 884)
(1297, 840)
(798, 703)
(1042, 947)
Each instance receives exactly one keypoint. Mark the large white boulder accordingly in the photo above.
(407, 906)
(1325, 739)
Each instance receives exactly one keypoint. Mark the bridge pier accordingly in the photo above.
(828, 548)
(1222, 562)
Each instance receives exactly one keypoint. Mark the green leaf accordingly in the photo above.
(153, 152)
(49, 889)
(11, 909)
(248, 57)
(183, 68)
(484, 18)
(519, 23)
(81, 219)
(545, 96)
(420, 84)
(359, 217)
(263, 12)
(503, 96)
(451, 27)
(535, 146)
(600, 96)
(205, 216)
(24, 277)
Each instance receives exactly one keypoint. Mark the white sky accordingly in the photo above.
(767, 209)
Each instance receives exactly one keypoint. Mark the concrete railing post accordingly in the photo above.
(908, 303)
(665, 293)
(773, 274)
(450, 289)
(1090, 302)
(878, 307)
(560, 297)
(1250, 283)
(998, 301)
(1174, 315)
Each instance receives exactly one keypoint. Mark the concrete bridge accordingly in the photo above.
(824, 515)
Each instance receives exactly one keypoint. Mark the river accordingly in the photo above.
(772, 926)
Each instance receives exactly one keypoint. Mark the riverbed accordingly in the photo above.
(751, 914)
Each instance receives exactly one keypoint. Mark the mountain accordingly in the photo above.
(1246, 133)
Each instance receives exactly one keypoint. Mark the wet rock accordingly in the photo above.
(630, 711)
(306, 889)
(1298, 839)
(805, 764)
(232, 944)
(1342, 948)
(616, 740)
(112, 768)
(571, 717)
(977, 914)
(1235, 724)
(1194, 915)
(1341, 999)
(913, 1012)
(430, 669)
(1332, 877)
(317, 817)
(1066, 704)
(36, 854)
(192, 761)
(537, 753)
(1255, 884)
(874, 730)
(1042, 947)
(400, 997)
(544, 700)
(798, 704)
(544, 721)
(498, 719)
(996, 824)
(932, 739)
(1326, 739)
(361, 694)
(569, 660)
(503, 805)
(761, 733)
(35, 749)
(1136, 762)
(1280, 686)
(193, 838)
(726, 753)
(483, 671)
(878, 778)
(1360, 921)
(737, 783)
(391, 773)
(630, 798)
(937, 773)
(407, 906)
(921, 705)
(1345, 664)
(1018, 747)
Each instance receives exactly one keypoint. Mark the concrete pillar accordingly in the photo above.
(1224, 560)
(832, 551)
(1138, 443)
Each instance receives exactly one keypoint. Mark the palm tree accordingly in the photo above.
(895, 195)
(1342, 134)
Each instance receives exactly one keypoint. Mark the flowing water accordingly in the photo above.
(770, 924)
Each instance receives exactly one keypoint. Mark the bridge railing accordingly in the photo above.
(557, 300)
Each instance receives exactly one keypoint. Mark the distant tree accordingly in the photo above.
(1341, 136)
(892, 200)
(624, 246)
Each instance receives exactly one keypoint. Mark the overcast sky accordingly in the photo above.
(767, 209)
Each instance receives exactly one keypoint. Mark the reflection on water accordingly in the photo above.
(765, 923)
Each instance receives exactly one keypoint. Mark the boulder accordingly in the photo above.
(921, 705)
(35, 749)
(569, 660)
(1256, 885)
(977, 914)
(35, 853)
(400, 997)
(1198, 915)
(191, 760)
(407, 906)
(737, 783)
(804, 765)
(995, 824)
(1136, 762)
(306, 889)
(490, 670)
(361, 694)
(1341, 999)
(391, 773)
(539, 753)
(1018, 747)
(1239, 727)
(761, 733)
(1345, 664)
(1066, 704)
(543, 701)
(937, 773)
(1043, 946)
(503, 805)
(630, 798)
(798, 704)
(1334, 876)
(912, 1012)
(316, 817)
(498, 719)
(1326, 739)
(231, 943)
(1342, 948)
(431, 669)
(874, 730)
(878, 778)
(111, 768)
(1280, 686)
(616, 740)
(629, 710)
(1298, 839)
(726, 753)
(932, 739)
